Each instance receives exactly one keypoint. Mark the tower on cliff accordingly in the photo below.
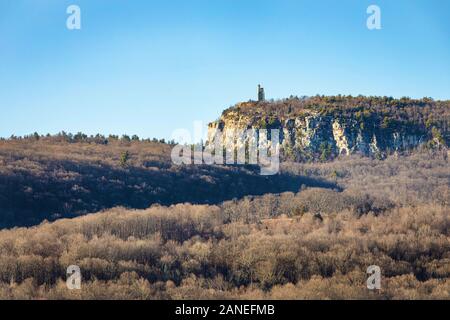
(261, 94)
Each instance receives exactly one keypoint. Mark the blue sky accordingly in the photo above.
(150, 67)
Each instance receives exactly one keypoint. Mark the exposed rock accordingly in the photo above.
(313, 133)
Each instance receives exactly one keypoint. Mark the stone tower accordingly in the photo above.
(261, 94)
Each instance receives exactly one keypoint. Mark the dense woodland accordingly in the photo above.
(46, 178)
(314, 243)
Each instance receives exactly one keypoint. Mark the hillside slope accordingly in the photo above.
(314, 244)
(51, 179)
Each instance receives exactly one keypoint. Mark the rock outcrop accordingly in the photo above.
(318, 133)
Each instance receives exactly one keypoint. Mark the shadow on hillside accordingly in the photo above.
(67, 188)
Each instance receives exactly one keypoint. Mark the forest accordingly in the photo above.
(63, 176)
(312, 243)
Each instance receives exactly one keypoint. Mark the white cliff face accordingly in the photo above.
(312, 133)
(340, 138)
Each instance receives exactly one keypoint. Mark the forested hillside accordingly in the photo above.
(66, 176)
(311, 244)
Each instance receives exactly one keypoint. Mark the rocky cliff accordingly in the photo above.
(325, 127)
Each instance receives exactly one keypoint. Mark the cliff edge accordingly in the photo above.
(328, 126)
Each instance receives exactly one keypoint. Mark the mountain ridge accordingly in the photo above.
(328, 126)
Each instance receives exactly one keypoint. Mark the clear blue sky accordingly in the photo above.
(149, 67)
